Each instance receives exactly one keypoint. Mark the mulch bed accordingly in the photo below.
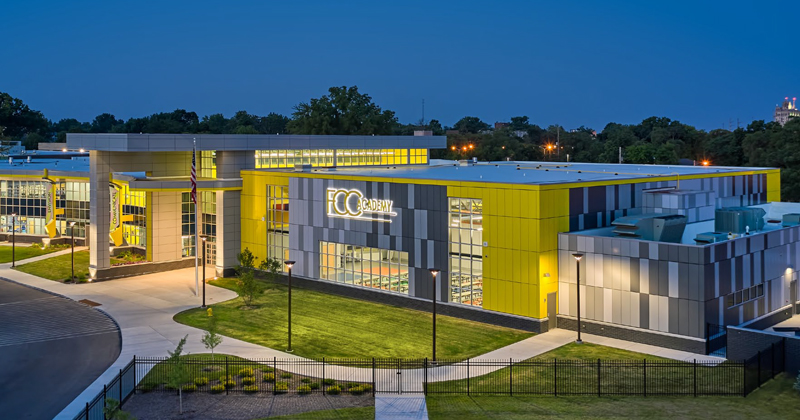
(164, 405)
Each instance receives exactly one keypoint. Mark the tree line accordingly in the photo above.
(346, 111)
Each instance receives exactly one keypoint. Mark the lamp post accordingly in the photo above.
(204, 238)
(289, 265)
(13, 239)
(72, 242)
(578, 266)
(434, 273)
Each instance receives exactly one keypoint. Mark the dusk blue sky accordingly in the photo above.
(559, 62)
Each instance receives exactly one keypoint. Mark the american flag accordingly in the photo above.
(194, 173)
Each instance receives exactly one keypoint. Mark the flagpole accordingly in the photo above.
(196, 217)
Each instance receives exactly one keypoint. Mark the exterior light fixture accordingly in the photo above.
(64, 149)
(578, 258)
(706, 163)
(204, 238)
(452, 147)
(82, 151)
(434, 272)
(72, 239)
(289, 264)
(13, 239)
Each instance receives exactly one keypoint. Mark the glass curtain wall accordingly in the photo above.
(73, 197)
(134, 217)
(208, 215)
(466, 254)
(363, 266)
(278, 223)
(343, 157)
(187, 225)
(28, 200)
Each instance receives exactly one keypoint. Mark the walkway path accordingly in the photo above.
(144, 306)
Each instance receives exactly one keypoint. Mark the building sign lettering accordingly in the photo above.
(351, 204)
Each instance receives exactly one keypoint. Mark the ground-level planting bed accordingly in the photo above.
(224, 374)
(588, 369)
(59, 268)
(775, 400)
(204, 406)
(325, 325)
(25, 251)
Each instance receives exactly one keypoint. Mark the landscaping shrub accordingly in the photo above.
(147, 386)
(314, 385)
(227, 381)
(356, 390)
(366, 387)
(352, 384)
(281, 388)
(286, 375)
(303, 389)
(334, 390)
(267, 369)
(250, 389)
(306, 380)
(200, 381)
(328, 381)
(269, 377)
(216, 389)
(189, 388)
(248, 380)
(246, 372)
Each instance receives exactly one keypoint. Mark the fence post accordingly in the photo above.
(744, 378)
(425, 379)
(555, 377)
(105, 395)
(120, 388)
(467, 377)
(87, 411)
(373, 375)
(644, 365)
(695, 377)
(598, 377)
(510, 378)
(274, 376)
(135, 381)
(708, 338)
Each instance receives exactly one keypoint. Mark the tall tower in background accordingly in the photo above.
(786, 110)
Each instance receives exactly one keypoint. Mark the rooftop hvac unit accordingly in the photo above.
(791, 219)
(651, 227)
(738, 219)
(710, 237)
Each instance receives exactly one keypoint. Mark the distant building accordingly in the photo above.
(786, 110)
(499, 125)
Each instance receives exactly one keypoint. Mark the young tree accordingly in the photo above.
(210, 338)
(112, 411)
(178, 375)
(272, 267)
(247, 286)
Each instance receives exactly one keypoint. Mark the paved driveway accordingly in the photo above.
(51, 349)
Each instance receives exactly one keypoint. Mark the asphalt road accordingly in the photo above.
(51, 349)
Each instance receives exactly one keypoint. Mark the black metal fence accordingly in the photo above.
(227, 374)
(764, 365)
(121, 387)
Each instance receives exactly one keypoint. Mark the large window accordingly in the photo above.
(362, 266)
(208, 217)
(289, 158)
(342, 157)
(73, 197)
(208, 164)
(371, 157)
(278, 223)
(466, 255)
(187, 225)
(134, 219)
(28, 200)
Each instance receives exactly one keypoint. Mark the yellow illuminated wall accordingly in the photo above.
(520, 227)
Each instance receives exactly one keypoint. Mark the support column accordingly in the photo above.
(229, 214)
(100, 211)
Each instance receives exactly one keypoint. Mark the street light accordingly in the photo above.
(434, 273)
(578, 265)
(72, 240)
(13, 238)
(289, 265)
(203, 238)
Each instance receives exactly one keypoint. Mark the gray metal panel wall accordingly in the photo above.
(420, 227)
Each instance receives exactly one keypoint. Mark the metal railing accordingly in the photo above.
(228, 374)
(121, 387)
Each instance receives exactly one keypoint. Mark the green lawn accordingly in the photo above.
(59, 268)
(775, 400)
(331, 326)
(577, 373)
(350, 413)
(22, 252)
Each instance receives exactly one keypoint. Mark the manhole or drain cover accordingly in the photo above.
(89, 302)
